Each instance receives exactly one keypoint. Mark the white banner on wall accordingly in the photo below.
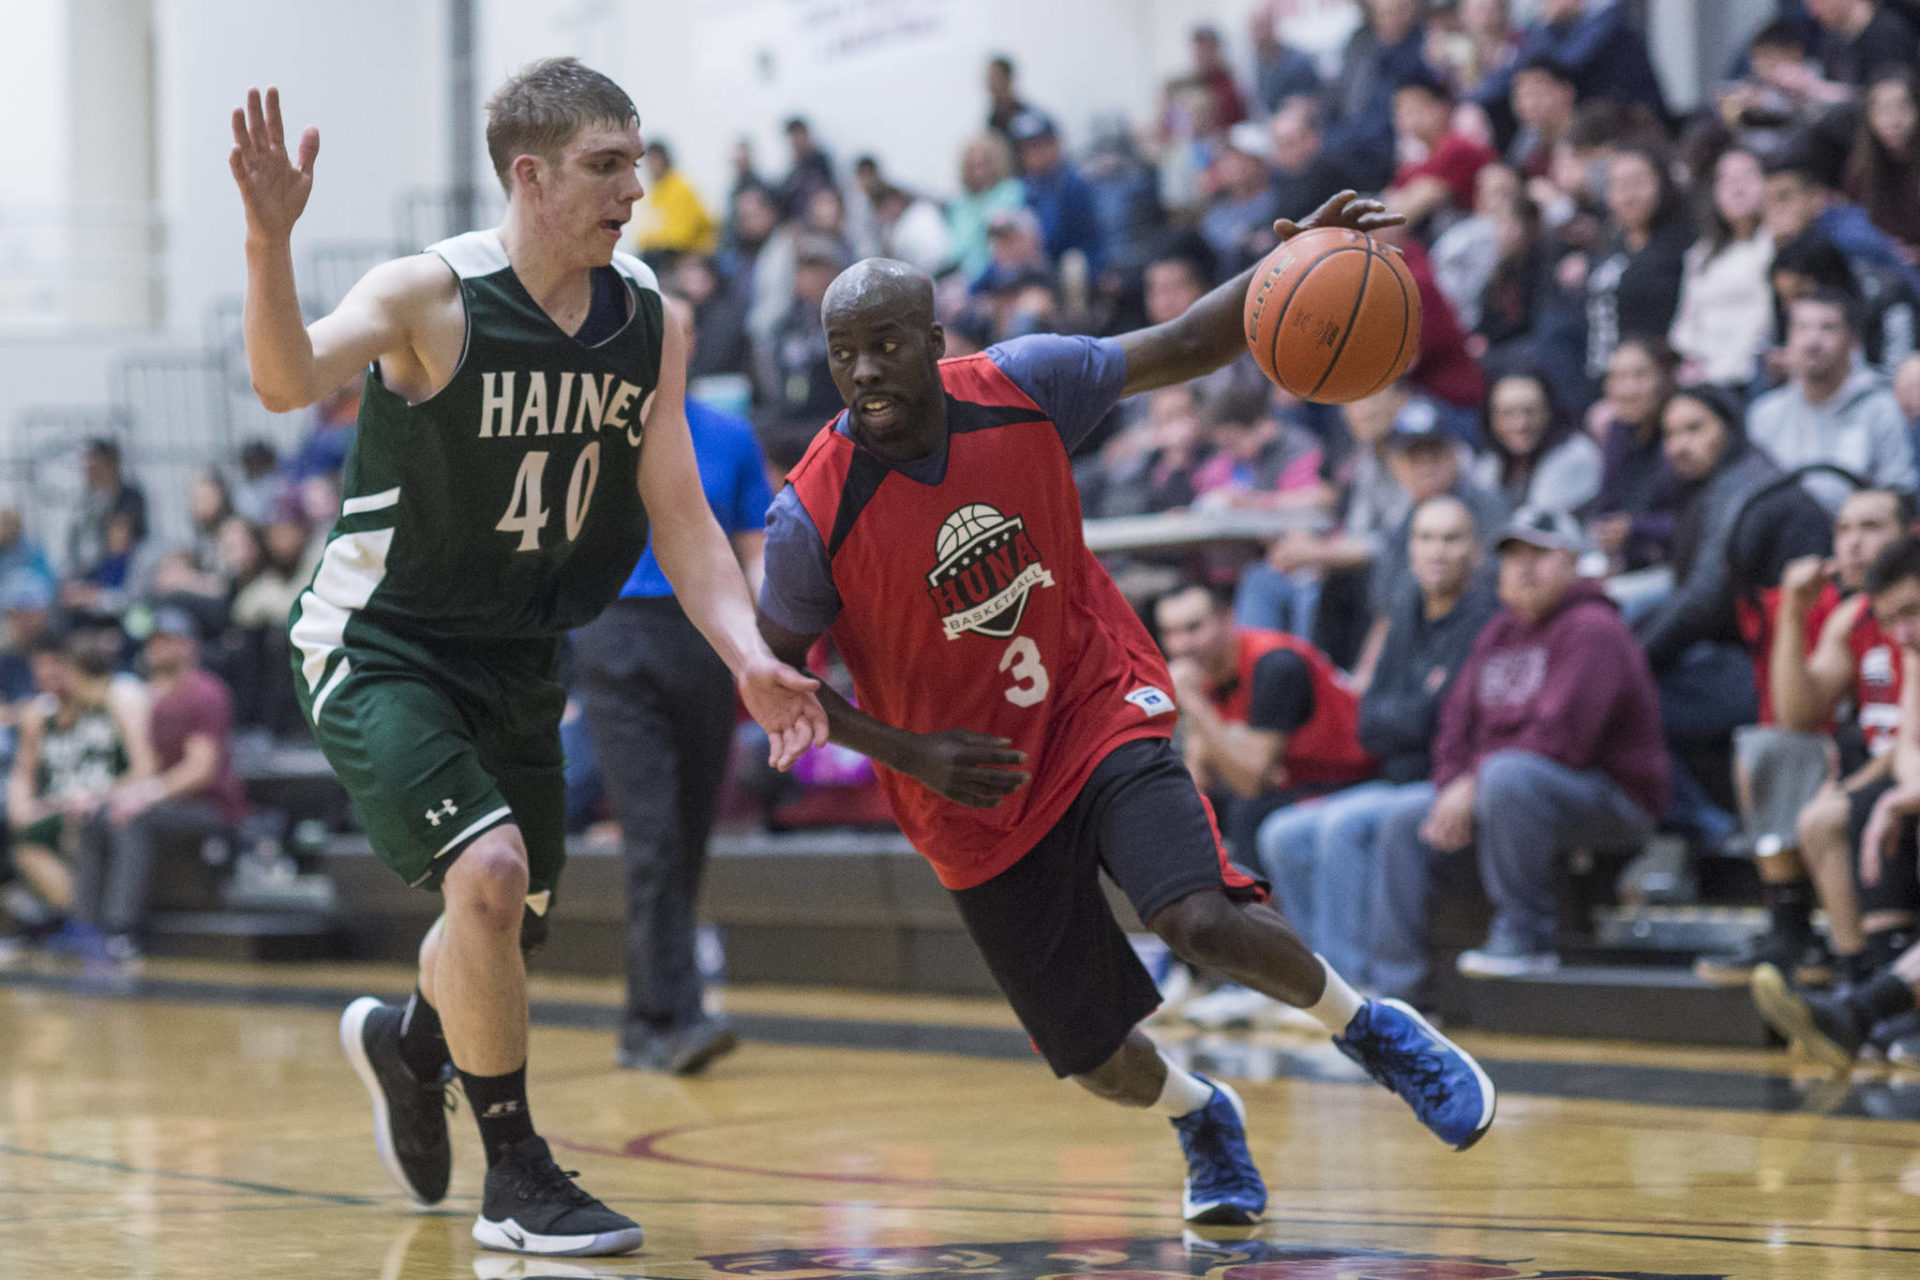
(796, 41)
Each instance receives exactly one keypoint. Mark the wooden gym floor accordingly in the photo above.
(201, 1122)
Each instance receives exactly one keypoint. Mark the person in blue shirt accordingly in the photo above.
(1802, 194)
(659, 705)
(1595, 41)
(1056, 192)
(1388, 47)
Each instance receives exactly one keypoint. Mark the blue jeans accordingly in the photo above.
(1527, 809)
(1319, 854)
(1707, 694)
(1277, 601)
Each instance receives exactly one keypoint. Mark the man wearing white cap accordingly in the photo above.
(1238, 223)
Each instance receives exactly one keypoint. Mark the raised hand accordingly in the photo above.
(974, 769)
(1345, 209)
(273, 185)
(1803, 578)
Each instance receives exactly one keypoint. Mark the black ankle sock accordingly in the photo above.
(1790, 908)
(423, 1047)
(1857, 969)
(1885, 997)
(499, 1103)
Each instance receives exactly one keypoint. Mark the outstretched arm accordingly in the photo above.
(1210, 333)
(699, 562)
(974, 769)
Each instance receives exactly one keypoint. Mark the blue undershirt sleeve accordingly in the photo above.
(798, 594)
(1074, 380)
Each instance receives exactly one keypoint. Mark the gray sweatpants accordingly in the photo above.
(114, 865)
(1527, 809)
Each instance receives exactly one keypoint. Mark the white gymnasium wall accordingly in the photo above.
(33, 179)
(706, 73)
(370, 73)
(111, 163)
(33, 71)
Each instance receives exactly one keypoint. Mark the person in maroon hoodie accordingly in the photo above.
(1549, 741)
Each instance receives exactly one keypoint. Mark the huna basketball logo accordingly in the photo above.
(987, 568)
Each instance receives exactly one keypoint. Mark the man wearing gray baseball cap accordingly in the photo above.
(1550, 741)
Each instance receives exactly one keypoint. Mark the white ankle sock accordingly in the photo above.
(1338, 1003)
(1183, 1094)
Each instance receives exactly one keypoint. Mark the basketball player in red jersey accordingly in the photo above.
(1020, 713)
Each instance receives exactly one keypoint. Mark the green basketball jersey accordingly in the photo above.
(505, 506)
(82, 759)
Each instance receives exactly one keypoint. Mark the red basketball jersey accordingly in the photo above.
(1326, 749)
(1877, 676)
(1877, 669)
(974, 603)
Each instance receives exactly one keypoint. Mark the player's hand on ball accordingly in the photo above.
(782, 700)
(1344, 210)
(273, 185)
(974, 769)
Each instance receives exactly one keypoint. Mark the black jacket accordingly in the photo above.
(1737, 529)
(1400, 711)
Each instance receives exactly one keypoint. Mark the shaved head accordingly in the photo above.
(883, 350)
(880, 289)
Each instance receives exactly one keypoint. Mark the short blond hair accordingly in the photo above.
(542, 107)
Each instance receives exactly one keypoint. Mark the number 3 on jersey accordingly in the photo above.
(526, 510)
(1030, 680)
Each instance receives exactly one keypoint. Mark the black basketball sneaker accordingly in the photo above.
(531, 1205)
(409, 1115)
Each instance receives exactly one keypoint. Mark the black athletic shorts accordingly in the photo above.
(1898, 888)
(1045, 928)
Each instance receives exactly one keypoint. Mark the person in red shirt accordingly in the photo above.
(1442, 181)
(935, 531)
(1210, 68)
(1822, 658)
(1878, 1005)
(1269, 719)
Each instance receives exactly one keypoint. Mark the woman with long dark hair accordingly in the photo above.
(1535, 456)
(1726, 313)
(1633, 285)
(1883, 172)
(1633, 515)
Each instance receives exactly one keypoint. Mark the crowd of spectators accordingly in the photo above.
(138, 674)
(1657, 354)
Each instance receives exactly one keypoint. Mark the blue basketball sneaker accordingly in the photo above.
(1223, 1186)
(1445, 1087)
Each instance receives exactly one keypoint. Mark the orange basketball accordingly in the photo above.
(1333, 316)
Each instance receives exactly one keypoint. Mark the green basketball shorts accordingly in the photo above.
(439, 741)
(47, 833)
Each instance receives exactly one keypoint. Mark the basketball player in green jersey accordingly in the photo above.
(517, 381)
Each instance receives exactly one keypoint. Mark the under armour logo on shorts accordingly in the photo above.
(446, 810)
